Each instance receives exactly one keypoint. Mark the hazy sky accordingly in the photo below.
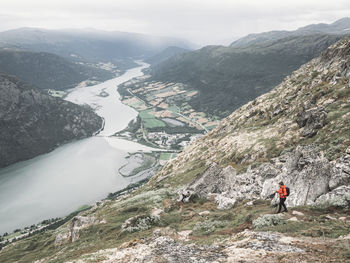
(200, 21)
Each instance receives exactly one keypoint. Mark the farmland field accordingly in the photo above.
(150, 121)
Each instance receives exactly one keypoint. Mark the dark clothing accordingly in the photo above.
(282, 200)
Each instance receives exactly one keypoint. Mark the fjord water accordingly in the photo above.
(77, 173)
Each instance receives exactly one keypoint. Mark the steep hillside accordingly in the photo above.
(165, 54)
(32, 122)
(48, 71)
(211, 203)
(310, 107)
(227, 77)
(87, 44)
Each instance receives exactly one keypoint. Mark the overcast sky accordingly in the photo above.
(200, 21)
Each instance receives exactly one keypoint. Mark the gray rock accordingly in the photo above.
(306, 172)
(340, 172)
(74, 227)
(297, 213)
(312, 120)
(339, 197)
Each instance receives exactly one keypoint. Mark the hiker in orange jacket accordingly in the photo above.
(283, 195)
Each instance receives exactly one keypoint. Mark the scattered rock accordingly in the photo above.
(156, 212)
(204, 213)
(162, 249)
(330, 217)
(297, 213)
(224, 202)
(294, 219)
(183, 235)
(343, 218)
(251, 246)
(165, 231)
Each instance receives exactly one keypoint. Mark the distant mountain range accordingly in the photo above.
(88, 44)
(339, 27)
(33, 122)
(48, 71)
(228, 77)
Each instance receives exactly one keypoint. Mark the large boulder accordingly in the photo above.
(340, 172)
(74, 227)
(339, 197)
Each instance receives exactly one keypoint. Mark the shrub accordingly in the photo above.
(268, 220)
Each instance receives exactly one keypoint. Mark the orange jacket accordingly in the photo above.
(282, 191)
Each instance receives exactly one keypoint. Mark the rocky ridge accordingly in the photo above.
(32, 122)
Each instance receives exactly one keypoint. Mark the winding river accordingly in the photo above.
(77, 173)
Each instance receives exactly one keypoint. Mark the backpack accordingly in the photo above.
(288, 191)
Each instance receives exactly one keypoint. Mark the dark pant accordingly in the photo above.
(282, 200)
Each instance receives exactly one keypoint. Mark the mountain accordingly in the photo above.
(212, 202)
(165, 54)
(48, 71)
(228, 77)
(32, 122)
(87, 44)
(339, 27)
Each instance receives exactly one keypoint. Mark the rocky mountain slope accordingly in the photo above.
(298, 132)
(211, 203)
(32, 122)
(228, 77)
(48, 71)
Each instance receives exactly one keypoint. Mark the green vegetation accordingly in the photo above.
(150, 121)
(165, 156)
(228, 77)
(37, 68)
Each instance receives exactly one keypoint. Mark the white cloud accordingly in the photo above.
(202, 21)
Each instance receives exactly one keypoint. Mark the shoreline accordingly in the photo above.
(137, 179)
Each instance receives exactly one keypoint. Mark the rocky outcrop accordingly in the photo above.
(339, 197)
(312, 120)
(73, 229)
(309, 175)
(32, 122)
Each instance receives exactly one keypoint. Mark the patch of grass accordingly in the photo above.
(150, 121)
(165, 156)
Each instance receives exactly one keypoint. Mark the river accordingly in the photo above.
(77, 173)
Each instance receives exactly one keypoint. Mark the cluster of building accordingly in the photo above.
(164, 139)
